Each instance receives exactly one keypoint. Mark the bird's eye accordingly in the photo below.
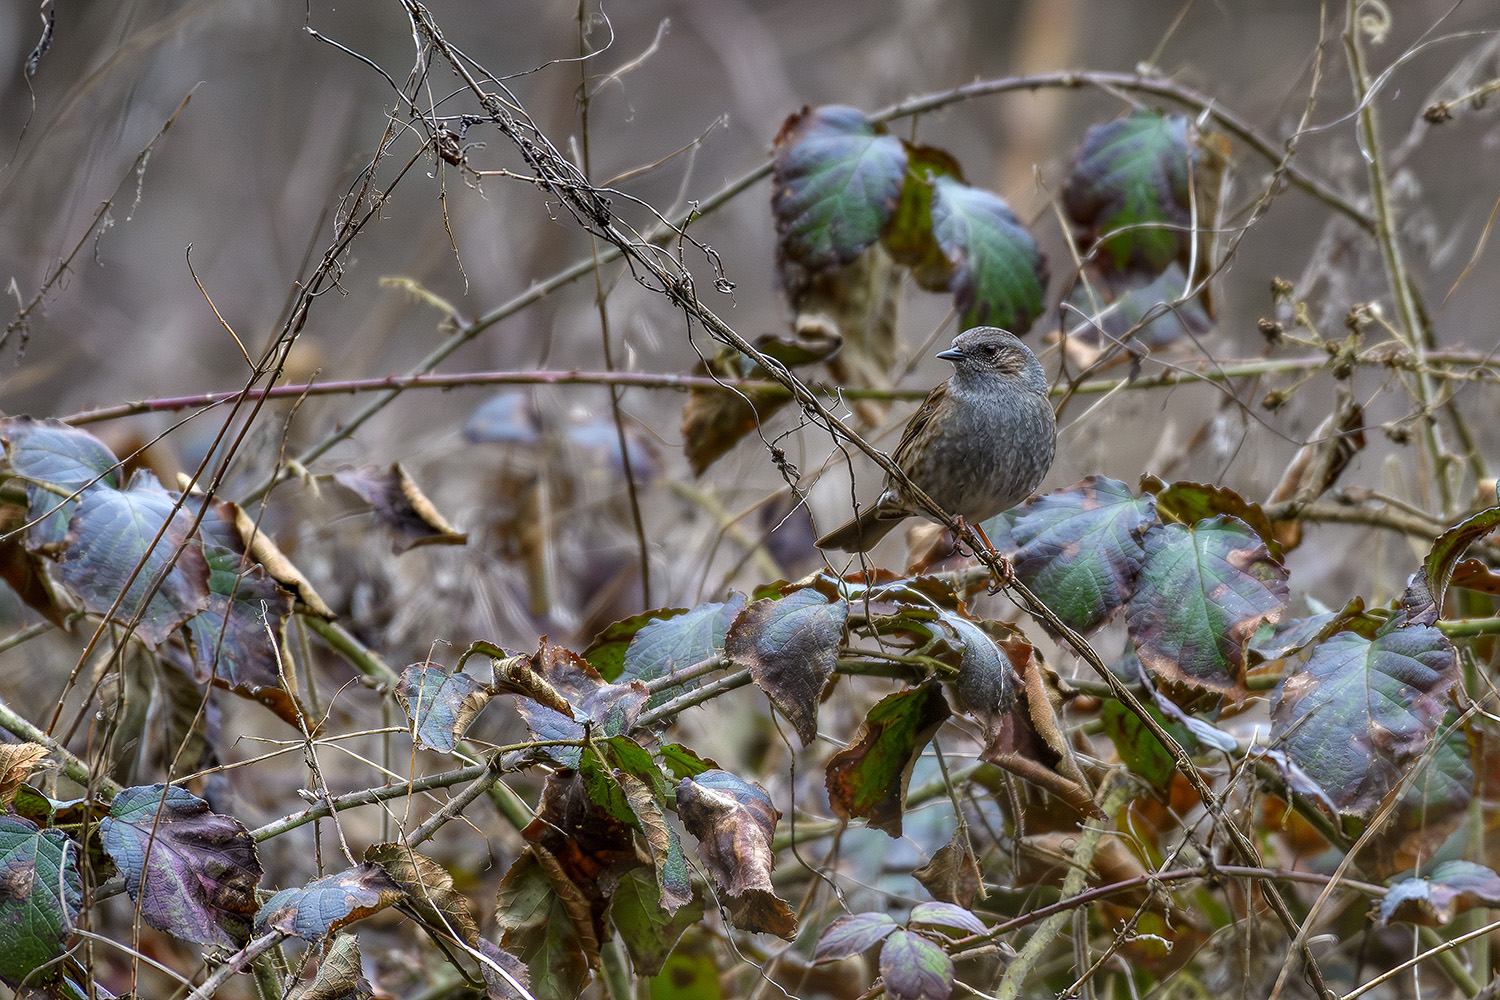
(990, 350)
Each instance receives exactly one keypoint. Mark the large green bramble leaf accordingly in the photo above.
(791, 646)
(40, 893)
(836, 182)
(111, 533)
(999, 275)
(663, 647)
(1079, 549)
(192, 871)
(909, 239)
(1133, 174)
(1359, 712)
(869, 777)
(1200, 596)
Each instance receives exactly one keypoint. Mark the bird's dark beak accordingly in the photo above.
(951, 354)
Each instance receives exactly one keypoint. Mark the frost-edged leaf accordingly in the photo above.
(791, 646)
(111, 533)
(327, 904)
(668, 645)
(40, 893)
(430, 892)
(1358, 712)
(1129, 185)
(1079, 548)
(909, 239)
(734, 821)
(440, 705)
(192, 871)
(1437, 896)
(999, 275)
(60, 463)
(913, 967)
(1200, 596)
(650, 930)
(400, 505)
(836, 180)
(853, 934)
(869, 777)
(946, 917)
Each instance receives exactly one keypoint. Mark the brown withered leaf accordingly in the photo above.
(734, 821)
(953, 874)
(855, 307)
(400, 506)
(518, 675)
(1319, 463)
(1030, 742)
(281, 569)
(17, 761)
(590, 846)
(869, 777)
(339, 975)
(430, 893)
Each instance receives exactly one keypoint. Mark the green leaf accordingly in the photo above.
(59, 461)
(683, 762)
(535, 926)
(915, 968)
(1358, 712)
(440, 705)
(791, 646)
(869, 777)
(835, 184)
(1079, 549)
(1438, 896)
(650, 931)
(1201, 594)
(909, 239)
(999, 275)
(40, 893)
(1138, 747)
(111, 533)
(192, 871)
(1133, 174)
(606, 653)
(325, 905)
(665, 646)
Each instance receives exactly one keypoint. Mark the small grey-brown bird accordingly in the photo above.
(979, 444)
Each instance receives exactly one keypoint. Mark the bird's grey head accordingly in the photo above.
(988, 351)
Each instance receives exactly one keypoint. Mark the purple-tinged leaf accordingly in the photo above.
(915, 968)
(111, 533)
(1358, 713)
(192, 871)
(59, 464)
(791, 646)
(946, 915)
(852, 934)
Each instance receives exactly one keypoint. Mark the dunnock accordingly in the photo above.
(979, 444)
